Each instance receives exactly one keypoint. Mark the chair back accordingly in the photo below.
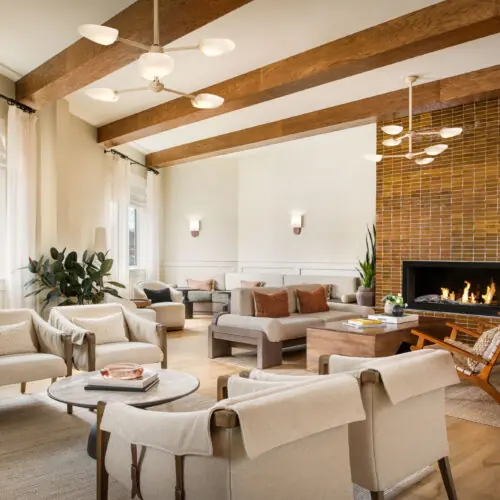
(150, 285)
(13, 316)
(88, 311)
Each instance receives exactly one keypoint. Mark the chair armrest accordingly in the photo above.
(484, 324)
(176, 295)
(161, 331)
(448, 347)
(457, 328)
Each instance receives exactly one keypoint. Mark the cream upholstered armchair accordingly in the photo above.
(170, 314)
(31, 349)
(225, 453)
(110, 333)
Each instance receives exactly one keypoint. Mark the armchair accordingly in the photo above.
(169, 314)
(47, 352)
(473, 362)
(144, 341)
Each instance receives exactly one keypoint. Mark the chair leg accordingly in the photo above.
(377, 495)
(69, 409)
(23, 387)
(268, 353)
(449, 485)
(490, 390)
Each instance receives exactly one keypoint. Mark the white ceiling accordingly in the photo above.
(463, 58)
(32, 31)
(265, 31)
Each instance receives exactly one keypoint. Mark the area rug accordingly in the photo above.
(464, 400)
(43, 451)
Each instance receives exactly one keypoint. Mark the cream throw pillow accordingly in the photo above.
(107, 329)
(16, 339)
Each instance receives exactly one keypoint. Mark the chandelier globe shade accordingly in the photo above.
(373, 157)
(447, 132)
(101, 94)
(424, 161)
(213, 47)
(155, 65)
(392, 129)
(103, 35)
(436, 149)
(393, 141)
(207, 101)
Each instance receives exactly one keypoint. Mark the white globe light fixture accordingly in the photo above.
(392, 142)
(392, 129)
(104, 95)
(437, 149)
(213, 47)
(447, 132)
(103, 35)
(155, 65)
(373, 157)
(207, 101)
(424, 161)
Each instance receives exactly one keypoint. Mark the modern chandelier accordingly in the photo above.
(398, 135)
(155, 63)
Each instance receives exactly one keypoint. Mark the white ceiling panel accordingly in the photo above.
(265, 31)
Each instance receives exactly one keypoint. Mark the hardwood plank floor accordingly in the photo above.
(475, 449)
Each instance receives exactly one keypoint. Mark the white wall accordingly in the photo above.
(245, 202)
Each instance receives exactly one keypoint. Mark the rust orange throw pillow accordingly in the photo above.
(271, 305)
(207, 285)
(312, 302)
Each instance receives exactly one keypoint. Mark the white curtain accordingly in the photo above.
(118, 225)
(21, 203)
(151, 241)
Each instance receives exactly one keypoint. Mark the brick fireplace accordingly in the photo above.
(448, 211)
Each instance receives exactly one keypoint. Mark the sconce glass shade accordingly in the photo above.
(100, 239)
(392, 129)
(103, 35)
(392, 142)
(424, 161)
(105, 95)
(213, 47)
(447, 132)
(154, 65)
(207, 101)
(296, 221)
(372, 157)
(194, 225)
(437, 149)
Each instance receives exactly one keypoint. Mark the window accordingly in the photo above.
(132, 236)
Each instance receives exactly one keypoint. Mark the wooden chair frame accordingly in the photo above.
(482, 378)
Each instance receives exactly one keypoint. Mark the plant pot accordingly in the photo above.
(388, 307)
(365, 296)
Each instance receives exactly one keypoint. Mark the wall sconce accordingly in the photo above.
(194, 227)
(297, 224)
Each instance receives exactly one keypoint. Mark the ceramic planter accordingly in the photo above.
(365, 296)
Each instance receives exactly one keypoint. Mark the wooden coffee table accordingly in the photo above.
(337, 338)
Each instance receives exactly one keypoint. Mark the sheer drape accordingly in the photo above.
(151, 246)
(120, 199)
(21, 202)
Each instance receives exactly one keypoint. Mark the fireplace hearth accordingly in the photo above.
(456, 287)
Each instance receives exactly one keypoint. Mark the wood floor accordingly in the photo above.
(475, 449)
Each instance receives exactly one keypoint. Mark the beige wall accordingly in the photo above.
(245, 203)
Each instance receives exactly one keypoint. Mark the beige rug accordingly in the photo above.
(43, 451)
(464, 401)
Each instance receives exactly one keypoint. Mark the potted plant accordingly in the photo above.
(394, 304)
(365, 296)
(69, 282)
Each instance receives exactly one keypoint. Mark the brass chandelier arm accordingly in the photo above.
(133, 44)
(178, 92)
(179, 49)
(125, 91)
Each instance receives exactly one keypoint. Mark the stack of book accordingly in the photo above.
(363, 323)
(144, 383)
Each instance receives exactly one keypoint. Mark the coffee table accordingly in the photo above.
(389, 339)
(173, 385)
(188, 305)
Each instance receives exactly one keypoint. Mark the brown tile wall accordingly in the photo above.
(448, 210)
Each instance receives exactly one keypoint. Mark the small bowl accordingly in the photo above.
(122, 371)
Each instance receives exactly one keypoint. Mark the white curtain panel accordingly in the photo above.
(118, 224)
(150, 244)
(21, 203)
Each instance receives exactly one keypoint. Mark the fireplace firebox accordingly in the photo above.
(456, 287)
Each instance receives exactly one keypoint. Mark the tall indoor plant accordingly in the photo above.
(365, 296)
(66, 281)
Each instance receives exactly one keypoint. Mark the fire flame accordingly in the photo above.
(471, 298)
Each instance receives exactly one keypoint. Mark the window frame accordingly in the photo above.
(136, 232)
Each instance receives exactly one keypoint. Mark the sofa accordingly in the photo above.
(270, 335)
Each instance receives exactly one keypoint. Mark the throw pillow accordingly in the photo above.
(16, 339)
(312, 302)
(251, 284)
(156, 296)
(271, 305)
(107, 329)
(206, 286)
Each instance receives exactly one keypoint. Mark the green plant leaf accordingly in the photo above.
(115, 283)
(57, 267)
(101, 257)
(60, 256)
(36, 292)
(106, 267)
(70, 260)
(80, 271)
(54, 253)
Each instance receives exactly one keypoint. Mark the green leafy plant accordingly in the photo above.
(366, 268)
(70, 282)
(397, 300)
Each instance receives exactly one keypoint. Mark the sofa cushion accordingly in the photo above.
(332, 315)
(205, 285)
(107, 329)
(16, 339)
(312, 302)
(201, 296)
(17, 368)
(271, 305)
(158, 296)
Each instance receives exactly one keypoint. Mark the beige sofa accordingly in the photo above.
(270, 335)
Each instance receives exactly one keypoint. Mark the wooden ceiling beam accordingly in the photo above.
(85, 62)
(436, 27)
(460, 89)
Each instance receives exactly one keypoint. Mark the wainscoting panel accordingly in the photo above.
(178, 272)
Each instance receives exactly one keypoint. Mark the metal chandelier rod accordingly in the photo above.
(114, 152)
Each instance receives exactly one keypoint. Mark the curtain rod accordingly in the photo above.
(114, 152)
(17, 104)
